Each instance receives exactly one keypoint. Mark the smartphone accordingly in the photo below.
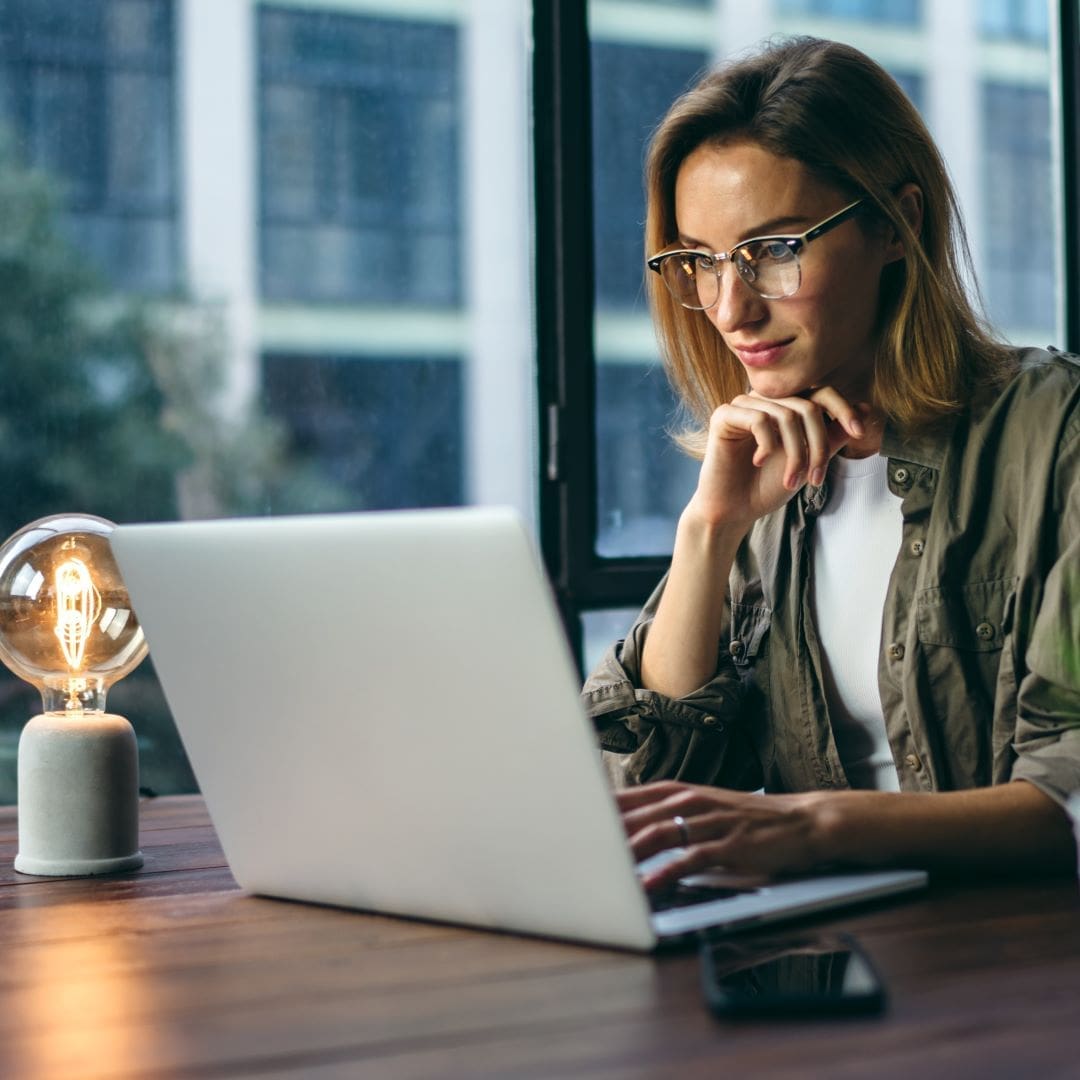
(804, 976)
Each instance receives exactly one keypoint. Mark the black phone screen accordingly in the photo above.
(789, 976)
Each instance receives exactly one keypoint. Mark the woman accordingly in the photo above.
(872, 605)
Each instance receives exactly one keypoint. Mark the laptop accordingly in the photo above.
(382, 713)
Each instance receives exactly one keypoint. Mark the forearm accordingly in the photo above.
(680, 653)
(1011, 827)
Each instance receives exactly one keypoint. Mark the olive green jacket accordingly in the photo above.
(979, 669)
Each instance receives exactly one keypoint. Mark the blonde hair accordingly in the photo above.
(841, 115)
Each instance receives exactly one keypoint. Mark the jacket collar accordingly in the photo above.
(925, 448)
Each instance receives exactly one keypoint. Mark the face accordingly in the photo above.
(826, 333)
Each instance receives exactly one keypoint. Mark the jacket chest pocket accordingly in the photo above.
(965, 638)
(972, 618)
(749, 628)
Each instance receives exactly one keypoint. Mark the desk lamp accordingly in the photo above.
(67, 627)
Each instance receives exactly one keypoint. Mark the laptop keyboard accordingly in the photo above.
(685, 895)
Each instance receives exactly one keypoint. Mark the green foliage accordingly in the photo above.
(241, 461)
(79, 405)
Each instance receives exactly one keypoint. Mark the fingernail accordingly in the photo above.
(857, 428)
(817, 476)
(796, 482)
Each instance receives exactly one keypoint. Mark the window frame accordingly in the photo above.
(566, 355)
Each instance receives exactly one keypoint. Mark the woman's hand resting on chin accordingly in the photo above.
(760, 451)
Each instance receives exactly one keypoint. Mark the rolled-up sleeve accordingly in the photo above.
(647, 736)
(1047, 742)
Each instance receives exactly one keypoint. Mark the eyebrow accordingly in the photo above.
(772, 227)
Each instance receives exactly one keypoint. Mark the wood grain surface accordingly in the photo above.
(174, 972)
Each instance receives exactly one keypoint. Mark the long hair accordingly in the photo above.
(832, 108)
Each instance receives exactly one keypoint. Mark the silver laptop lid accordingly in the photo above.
(382, 713)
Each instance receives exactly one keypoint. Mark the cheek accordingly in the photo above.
(845, 305)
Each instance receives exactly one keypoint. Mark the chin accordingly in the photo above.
(777, 385)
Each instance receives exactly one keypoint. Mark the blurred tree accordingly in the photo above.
(80, 407)
(241, 460)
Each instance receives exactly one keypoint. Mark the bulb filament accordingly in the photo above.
(77, 606)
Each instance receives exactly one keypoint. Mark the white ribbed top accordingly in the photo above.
(855, 542)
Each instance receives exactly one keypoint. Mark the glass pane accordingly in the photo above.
(980, 71)
(600, 629)
(643, 481)
(261, 258)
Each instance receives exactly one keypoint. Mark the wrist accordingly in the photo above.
(832, 833)
(704, 532)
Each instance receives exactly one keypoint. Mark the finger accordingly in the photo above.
(732, 421)
(652, 837)
(790, 416)
(815, 431)
(847, 415)
(825, 435)
(646, 794)
(660, 836)
(686, 801)
(692, 861)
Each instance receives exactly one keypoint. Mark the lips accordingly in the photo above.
(760, 353)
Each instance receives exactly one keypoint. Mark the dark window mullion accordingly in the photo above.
(564, 304)
(564, 290)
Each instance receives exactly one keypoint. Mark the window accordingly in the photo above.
(1019, 211)
(643, 480)
(1017, 19)
(882, 11)
(345, 415)
(344, 190)
(359, 181)
(86, 93)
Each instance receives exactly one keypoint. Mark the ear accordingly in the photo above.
(910, 198)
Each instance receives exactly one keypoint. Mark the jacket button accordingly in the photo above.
(902, 476)
(896, 651)
(912, 761)
(736, 648)
(711, 721)
(917, 547)
(985, 631)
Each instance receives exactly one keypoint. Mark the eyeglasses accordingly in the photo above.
(768, 264)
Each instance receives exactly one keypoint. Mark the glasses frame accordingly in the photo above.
(795, 244)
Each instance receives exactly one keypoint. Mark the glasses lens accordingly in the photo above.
(691, 279)
(770, 268)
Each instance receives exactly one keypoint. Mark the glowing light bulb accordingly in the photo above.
(66, 623)
(77, 607)
(67, 627)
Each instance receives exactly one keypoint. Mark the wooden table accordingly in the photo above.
(174, 972)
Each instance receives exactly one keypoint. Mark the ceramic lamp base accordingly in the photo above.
(78, 796)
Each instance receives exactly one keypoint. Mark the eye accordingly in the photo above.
(774, 250)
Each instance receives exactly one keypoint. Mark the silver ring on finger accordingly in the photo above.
(684, 829)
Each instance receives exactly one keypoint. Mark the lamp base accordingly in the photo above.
(78, 796)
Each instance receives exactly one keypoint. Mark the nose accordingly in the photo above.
(737, 304)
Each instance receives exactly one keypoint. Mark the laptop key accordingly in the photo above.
(684, 895)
